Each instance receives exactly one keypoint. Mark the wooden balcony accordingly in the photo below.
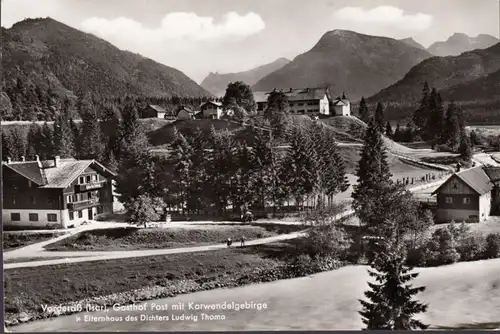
(89, 186)
(83, 204)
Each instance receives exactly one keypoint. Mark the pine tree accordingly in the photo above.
(453, 127)
(277, 112)
(391, 304)
(92, 145)
(46, 142)
(198, 172)
(301, 162)
(263, 142)
(388, 130)
(18, 142)
(420, 115)
(372, 170)
(465, 149)
(364, 113)
(379, 117)
(64, 143)
(242, 191)
(181, 161)
(34, 139)
(334, 178)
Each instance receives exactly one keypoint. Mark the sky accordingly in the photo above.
(202, 36)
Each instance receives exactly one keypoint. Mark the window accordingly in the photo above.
(466, 200)
(51, 217)
(81, 180)
(96, 178)
(88, 179)
(69, 198)
(33, 217)
(75, 198)
(89, 195)
(32, 200)
(290, 104)
(99, 209)
(80, 214)
(449, 200)
(454, 185)
(300, 104)
(15, 216)
(71, 215)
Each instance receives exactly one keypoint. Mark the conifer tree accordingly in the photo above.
(420, 115)
(372, 170)
(334, 178)
(453, 126)
(181, 160)
(379, 117)
(263, 154)
(91, 140)
(34, 139)
(5, 145)
(388, 130)
(63, 138)
(198, 171)
(242, 184)
(398, 133)
(46, 143)
(364, 113)
(301, 162)
(18, 143)
(277, 112)
(465, 149)
(391, 303)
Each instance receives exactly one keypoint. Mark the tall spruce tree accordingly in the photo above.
(372, 170)
(301, 162)
(277, 112)
(364, 113)
(420, 115)
(379, 117)
(34, 139)
(64, 143)
(92, 145)
(388, 130)
(465, 149)
(46, 143)
(181, 161)
(453, 127)
(391, 304)
(18, 142)
(242, 184)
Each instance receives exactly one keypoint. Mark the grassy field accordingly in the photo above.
(28, 288)
(30, 259)
(16, 240)
(117, 239)
(463, 295)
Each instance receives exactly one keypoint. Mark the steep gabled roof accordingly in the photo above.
(46, 175)
(217, 104)
(157, 108)
(476, 178)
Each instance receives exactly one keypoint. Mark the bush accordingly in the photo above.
(471, 248)
(442, 248)
(492, 247)
(328, 240)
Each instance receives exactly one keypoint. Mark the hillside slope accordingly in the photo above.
(358, 64)
(410, 41)
(468, 78)
(46, 55)
(459, 43)
(217, 83)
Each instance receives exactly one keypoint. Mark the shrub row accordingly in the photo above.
(450, 244)
(165, 288)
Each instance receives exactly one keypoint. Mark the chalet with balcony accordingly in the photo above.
(55, 193)
(154, 111)
(469, 194)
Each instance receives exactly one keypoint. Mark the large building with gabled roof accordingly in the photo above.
(55, 193)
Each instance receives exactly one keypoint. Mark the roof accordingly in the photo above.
(157, 108)
(340, 102)
(190, 111)
(476, 178)
(46, 175)
(300, 94)
(217, 104)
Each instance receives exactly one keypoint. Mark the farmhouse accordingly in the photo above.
(211, 110)
(185, 113)
(55, 193)
(469, 194)
(153, 111)
(303, 101)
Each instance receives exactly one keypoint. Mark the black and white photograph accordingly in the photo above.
(250, 165)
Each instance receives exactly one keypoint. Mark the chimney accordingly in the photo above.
(37, 158)
(343, 96)
(56, 161)
(23, 158)
(458, 167)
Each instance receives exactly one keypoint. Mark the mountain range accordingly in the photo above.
(46, 53)
(459, 43)
(471, 78)
(217, 83)
(410, 41)
(346, 61)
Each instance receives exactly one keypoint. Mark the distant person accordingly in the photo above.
(242, 240)
(229, 242)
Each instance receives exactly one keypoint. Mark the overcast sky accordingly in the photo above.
(202, 36)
